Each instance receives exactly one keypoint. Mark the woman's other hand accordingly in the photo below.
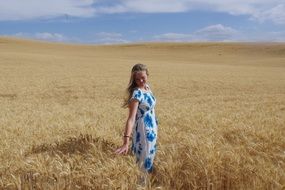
(123, 149)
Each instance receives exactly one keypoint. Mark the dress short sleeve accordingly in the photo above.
(137, 95)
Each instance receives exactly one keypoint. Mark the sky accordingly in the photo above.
(137, 21)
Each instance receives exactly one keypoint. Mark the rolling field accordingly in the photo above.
(220, 106)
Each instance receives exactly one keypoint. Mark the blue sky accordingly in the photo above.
(134, 21)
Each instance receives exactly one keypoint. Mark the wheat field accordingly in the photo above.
(220, 106)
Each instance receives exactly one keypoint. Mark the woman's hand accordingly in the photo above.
(123, 149)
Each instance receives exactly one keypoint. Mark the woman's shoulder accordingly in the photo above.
(137, 92)
(137, 89)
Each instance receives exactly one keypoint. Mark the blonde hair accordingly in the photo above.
(132, 84)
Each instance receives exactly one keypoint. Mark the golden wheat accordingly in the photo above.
(221, 111)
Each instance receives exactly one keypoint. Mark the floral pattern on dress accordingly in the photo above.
(145, 129)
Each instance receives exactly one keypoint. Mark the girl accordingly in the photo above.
(141, 119)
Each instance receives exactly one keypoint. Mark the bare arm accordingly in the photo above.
(129, 126)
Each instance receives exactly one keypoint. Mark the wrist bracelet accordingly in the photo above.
(126, 136)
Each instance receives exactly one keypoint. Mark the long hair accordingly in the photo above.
(132, 84)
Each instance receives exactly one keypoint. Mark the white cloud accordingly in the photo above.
(108, 35)
(98, 38)
(55, 37)
(33, 9)
(216, 33)
(109, 38)
(174, 37)
(276, 36)
(50, 36)
(141, 6)
(261, 10)
(276, 14)
(220, 33)
(210, 33)
(155, 6)
(260, 36)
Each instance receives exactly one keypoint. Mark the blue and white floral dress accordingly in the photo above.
(145, 129)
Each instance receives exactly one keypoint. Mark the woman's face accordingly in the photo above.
(140, 79)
